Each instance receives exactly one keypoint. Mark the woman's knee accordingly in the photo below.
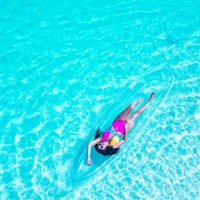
(130, 124)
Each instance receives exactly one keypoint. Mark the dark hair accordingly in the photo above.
(109, 150)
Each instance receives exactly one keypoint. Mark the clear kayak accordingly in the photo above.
(159, 81)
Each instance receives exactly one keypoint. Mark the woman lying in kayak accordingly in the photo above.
(111, 140)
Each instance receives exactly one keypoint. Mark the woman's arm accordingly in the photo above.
(91, 144)
(119, 144)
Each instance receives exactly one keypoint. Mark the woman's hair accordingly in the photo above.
(109, 150)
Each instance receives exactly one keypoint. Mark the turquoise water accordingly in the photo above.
(63, 63)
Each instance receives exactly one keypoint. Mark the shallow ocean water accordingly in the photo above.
(63, 63)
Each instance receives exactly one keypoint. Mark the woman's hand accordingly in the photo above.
(89, 161)
(93, 143)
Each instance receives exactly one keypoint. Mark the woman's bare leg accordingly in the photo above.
(125, 114)
(131, 120)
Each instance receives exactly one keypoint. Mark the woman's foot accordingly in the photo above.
(136, 103)
(139, 101)
(152, 96)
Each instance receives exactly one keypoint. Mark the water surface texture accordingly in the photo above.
(63, 63)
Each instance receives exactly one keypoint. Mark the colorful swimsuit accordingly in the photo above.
(118, 126)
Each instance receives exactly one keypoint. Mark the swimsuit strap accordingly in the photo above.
(113, 131)
(116, 133)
